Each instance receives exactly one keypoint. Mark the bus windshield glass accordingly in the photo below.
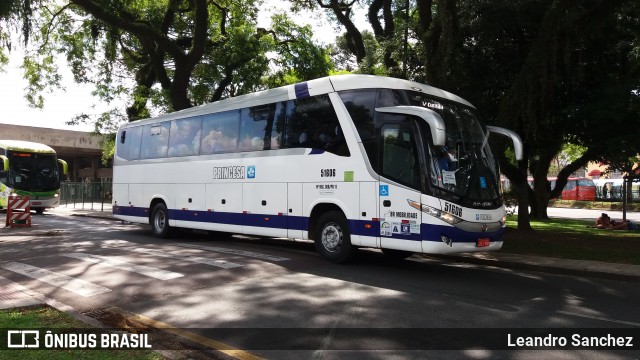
(463, 171)
(33, 171)
(465, 167)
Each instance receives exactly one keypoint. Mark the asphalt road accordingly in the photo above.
(278, 299)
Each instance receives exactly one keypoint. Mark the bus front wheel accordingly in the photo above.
(333, 240)
(160, 221)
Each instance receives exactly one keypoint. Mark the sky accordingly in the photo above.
(62, 105)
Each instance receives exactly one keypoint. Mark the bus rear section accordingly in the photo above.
(346, 161)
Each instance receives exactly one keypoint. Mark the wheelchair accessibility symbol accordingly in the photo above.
(384, 190)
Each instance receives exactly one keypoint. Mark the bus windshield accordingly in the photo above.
(463, 171)
(33, 171)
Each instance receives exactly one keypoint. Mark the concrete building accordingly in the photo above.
(81, 150)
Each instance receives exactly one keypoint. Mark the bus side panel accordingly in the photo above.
(295, 222)
(141, 195)
(121, 194)
(122, 209)
(224, 201)
(265, 205)
(189, 200)
(343, 194)
(369, 211)
(400, 222)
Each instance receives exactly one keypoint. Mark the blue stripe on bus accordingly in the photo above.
(130, 211)
(315, 151)
(428, 232)
(434, 233)
(302, 90)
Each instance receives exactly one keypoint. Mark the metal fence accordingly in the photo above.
(86, 195)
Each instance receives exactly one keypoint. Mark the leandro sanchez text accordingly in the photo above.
(575, 340)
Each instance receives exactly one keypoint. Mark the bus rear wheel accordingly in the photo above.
(333, 240)
(160, 221)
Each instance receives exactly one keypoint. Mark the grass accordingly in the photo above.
(573, 239)
(43, 318)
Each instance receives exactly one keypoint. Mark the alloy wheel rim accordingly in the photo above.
(332, 237)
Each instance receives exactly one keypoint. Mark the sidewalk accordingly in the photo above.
(613, 271)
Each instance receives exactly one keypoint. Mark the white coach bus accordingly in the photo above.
(346, 161)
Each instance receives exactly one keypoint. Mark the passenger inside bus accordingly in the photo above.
(446, 159)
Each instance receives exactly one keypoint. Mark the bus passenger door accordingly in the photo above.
(295, 221)
(399, 222)
(400, 164)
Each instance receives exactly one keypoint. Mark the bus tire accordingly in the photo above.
(393, 254)
(160, 221)
(333, 239)
(39, 211)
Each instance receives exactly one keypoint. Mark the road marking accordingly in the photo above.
(235, 252)
(600, 318)
(126, 266)
(78, 286)
(196, 259)
(202, 340)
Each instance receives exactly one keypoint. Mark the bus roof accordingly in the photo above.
(27, 146)
(308, 88)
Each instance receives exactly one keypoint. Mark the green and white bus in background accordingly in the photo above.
(346, 161)
(30, 169)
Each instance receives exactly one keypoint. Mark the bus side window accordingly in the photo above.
(155, 140)
(130, 148)
(3, 174)
(277, 129)
(220, 132)
(312, 123)
(256, 128)
(184, 139)
(122, 149)
(135, 139)
(399, 155)
(361, 104)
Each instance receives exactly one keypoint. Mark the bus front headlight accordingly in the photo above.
(446, 217)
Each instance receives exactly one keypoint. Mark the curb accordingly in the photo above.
(558, 270)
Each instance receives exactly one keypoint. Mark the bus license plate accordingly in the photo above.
(483, 242)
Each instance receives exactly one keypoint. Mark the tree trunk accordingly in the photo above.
(517, 175)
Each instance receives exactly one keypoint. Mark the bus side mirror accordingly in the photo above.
(65, 167)
(5, 163)
(517, 142)
(436, 124)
